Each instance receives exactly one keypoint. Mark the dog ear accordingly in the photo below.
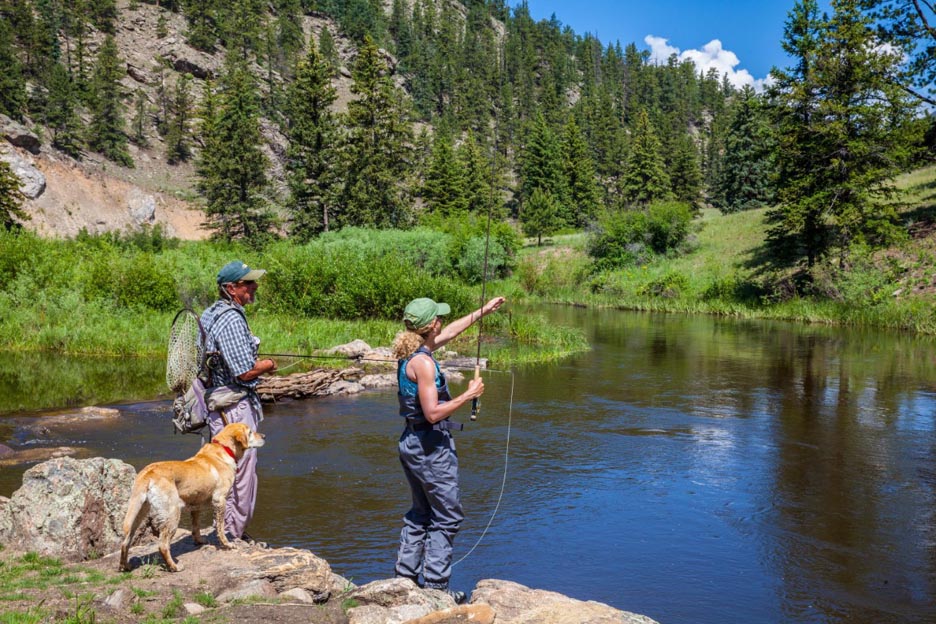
(243, 436)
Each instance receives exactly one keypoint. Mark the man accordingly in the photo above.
(232, 352)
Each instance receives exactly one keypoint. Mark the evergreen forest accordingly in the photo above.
(461, 112)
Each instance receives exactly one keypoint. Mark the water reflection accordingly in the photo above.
(690, 468)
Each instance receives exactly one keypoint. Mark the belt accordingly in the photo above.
(442, 425)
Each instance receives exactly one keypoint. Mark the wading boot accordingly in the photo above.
(458, 596)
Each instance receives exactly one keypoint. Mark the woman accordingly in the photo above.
(427, 450)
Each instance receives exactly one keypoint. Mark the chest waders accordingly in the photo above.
(430, 464)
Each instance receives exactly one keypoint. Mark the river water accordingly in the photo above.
(692, 469)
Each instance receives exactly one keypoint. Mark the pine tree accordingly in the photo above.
(745, 180)
(289, 36)
(12, 82)
(328, 51)
(377, 147)
(232, 168)
(106, 131)
(203, 28)
(541, 166)
(139, 122)
(541, 215)
(584, 193)
(180, 112)
(11, 199)
(478, 177)
(61, 113)
(685, 171)
(445, 190)
(644, 178)
(841, 131)
(311, 156)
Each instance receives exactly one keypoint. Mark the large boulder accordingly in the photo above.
(32, 181)
(289, 568)
(19, 135)
(393, 601)
(142, 207)
(517, 604)
(68, 508)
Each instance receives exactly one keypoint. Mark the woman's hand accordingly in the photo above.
(475, 388)
(492, 305)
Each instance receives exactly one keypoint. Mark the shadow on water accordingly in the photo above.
(690, 468)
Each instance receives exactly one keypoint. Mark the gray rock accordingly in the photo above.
(32, 181)
(251, 589)
(142, 207)
(69, 508)
(193, 608)
(188, 66)
(399, 593)
(378, 381)
(353, 349)
(517, 604)
(345, 387)
(297, 594)
(290, 568)
(19, 135)
(120, 600)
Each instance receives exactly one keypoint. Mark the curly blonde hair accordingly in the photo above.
(408, 340)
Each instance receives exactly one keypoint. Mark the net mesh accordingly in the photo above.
(186, 352)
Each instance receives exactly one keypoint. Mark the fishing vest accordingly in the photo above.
(408, 393)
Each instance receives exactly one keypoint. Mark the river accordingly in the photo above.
(689, 468)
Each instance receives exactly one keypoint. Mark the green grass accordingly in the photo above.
(721, 274)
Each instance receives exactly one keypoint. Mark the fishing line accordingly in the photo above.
(503, 479)
(351, 358)
(484, 279)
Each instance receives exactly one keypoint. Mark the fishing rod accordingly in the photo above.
(303, 356)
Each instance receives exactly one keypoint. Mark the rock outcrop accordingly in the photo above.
(69, 508)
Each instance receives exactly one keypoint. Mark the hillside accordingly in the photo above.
(99, 195)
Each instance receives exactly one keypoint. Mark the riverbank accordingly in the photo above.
(724, 274)
(68, 571)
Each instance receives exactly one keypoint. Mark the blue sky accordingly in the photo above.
(739, 37)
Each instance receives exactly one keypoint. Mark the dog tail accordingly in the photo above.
(137, 508)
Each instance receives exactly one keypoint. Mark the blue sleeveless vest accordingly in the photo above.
(408, 393)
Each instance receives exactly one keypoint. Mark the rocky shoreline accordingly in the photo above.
(72, 510)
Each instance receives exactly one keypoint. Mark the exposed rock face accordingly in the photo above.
(32, 182)
(142, 207)
(517, 604)
(69, 508)
(19, 135)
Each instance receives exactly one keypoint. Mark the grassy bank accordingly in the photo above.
(723, 274)
(109, 295)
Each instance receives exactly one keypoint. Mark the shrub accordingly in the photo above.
(669, 286)
(628, 237)
(547, 273)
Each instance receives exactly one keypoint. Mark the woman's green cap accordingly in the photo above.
(237, 271)
(421, 312)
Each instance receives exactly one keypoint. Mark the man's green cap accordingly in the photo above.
(237, 271)
(421, 312)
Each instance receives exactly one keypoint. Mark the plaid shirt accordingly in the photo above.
(227, 333)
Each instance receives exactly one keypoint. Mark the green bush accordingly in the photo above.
(629, 237)
(471, 263)
(669, 286)
(548, 273)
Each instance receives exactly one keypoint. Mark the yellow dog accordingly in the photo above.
(162, 489)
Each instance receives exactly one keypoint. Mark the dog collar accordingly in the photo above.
(227, 450)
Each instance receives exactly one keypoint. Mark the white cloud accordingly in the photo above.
(711, 55)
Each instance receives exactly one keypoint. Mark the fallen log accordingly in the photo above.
(313, 383)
